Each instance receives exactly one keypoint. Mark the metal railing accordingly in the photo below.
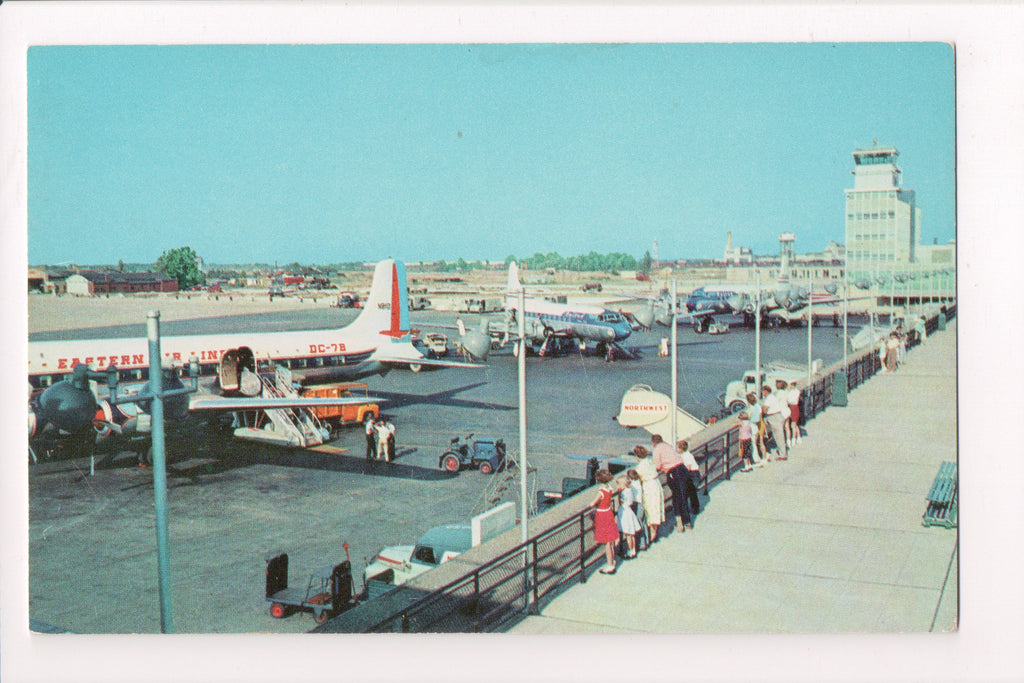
(511, 584)
(518, 581)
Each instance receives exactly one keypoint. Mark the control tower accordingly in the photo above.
(882, 219)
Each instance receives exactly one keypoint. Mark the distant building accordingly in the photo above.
(787, 247)
(92, 282)
(736, 254)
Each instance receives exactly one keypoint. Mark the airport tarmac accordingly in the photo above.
(232, 504)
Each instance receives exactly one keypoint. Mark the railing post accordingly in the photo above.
(476, 601)
(728, 462)
(536, 580)
(583, 563)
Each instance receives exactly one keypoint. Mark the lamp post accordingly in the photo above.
(757, 330)
(524, 510)
(810, 324)
(675, 361)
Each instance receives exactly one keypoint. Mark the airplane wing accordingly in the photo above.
(787, 314)
(426, 362)
(208, 402)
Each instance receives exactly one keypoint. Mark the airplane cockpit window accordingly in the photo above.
(611, 317)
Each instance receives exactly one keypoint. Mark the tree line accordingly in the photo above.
(183, 265)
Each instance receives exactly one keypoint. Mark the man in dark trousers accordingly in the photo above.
(668, 461)
(371, 438)
(692, 475)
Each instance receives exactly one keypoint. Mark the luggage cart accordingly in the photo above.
(328, 593)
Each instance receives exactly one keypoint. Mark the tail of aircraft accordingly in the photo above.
(386, 311)
(512, 291)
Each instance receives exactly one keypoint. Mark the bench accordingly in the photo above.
(942, 502)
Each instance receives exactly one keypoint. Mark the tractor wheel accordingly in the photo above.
(277, 610)
(450, 462)
(485, 467)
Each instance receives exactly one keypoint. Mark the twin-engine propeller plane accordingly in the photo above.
(255, 377)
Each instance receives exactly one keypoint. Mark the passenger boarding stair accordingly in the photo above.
(294, 427)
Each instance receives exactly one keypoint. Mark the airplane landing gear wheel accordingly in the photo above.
(277, 610)
(321, 617)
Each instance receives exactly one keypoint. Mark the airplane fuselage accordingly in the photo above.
(49, 362)
(589, 323)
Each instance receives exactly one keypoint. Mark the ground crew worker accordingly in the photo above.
(371, 439)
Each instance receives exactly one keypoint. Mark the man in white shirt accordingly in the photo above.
(773, 407)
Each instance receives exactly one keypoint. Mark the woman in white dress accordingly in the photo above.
(654, 496)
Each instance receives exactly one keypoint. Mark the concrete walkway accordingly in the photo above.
(830, 541)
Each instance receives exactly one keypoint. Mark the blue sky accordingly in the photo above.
(330, 153)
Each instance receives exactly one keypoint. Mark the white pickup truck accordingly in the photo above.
(397, 564)
(735, 396)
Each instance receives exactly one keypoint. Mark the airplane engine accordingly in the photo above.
(67, 405)
(737, 302)
(175, 407)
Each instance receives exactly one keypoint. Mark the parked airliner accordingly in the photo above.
(548, 322)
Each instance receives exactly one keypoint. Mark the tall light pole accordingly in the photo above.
(523, 506)
(810, 325)
(156, 411)
(846, 306)
(675, 360)
(757, 331)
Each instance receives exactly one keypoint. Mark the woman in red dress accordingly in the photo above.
(606, 531)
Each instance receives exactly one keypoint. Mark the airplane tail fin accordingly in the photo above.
(512, 291)
(513, 278)
(386, 311)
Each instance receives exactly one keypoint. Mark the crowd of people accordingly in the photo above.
(380, 439)
(633, 524)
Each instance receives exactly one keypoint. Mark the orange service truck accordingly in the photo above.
(349, 414)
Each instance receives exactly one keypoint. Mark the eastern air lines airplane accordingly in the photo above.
(229, 367)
